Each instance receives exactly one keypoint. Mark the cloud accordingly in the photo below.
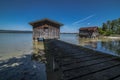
(82, 20)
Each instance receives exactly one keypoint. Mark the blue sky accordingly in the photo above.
(16, 14)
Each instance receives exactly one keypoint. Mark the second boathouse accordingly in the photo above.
(89, 32)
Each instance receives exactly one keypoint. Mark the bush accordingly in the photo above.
(105, 33)
(108, 33)
(101, 32)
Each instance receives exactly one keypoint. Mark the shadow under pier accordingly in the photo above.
(43, 52)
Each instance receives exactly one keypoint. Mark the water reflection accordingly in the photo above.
(41, 54)
(38, 51)
(110, 46)
(113, 46)
(88, 43)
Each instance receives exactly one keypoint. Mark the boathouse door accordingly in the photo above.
(46, 31)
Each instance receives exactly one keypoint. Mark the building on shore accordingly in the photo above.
(46, 29)
(89, 32)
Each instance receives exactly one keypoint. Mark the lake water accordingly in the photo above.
(18, 63)
(16, 44)
(109, 46)
(16, 59)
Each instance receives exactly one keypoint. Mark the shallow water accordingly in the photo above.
(109, 46)
(14, 44)
(18, 60)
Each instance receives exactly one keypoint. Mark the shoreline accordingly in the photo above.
(111, 37)
(3, 58)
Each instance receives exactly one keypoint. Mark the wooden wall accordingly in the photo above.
(88, 34)
(46, 31)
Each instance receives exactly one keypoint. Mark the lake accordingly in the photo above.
(16, 44)
(18, 54)
(109, 46)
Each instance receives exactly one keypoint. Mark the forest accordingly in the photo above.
(110, 27)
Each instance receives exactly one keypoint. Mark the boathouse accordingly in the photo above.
(89, 32)
(46, 29)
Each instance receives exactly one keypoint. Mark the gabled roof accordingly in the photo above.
(89, 28)
(45, 20)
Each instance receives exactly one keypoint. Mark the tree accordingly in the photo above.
(109, 25)
(119, 21)
(104, 27)
(101, 31)
(113, 26)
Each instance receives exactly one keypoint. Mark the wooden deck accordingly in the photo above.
(78, 63)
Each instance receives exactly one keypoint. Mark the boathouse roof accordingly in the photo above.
(94, 28)
(45, 21)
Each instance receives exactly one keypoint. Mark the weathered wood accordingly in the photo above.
(47, 29)
(89, 32)
(83, 59)
(78, 63)
(116, 78)
(90, 69)
(87, 63)
(102, 75)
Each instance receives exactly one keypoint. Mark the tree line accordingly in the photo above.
(110, 27)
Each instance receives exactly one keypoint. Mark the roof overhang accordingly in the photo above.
(89, 28)
(45, 20)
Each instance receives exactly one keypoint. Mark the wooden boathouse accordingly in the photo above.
(46, 29)
(89, 32)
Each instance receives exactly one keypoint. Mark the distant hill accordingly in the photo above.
(18, 31)
(68, 33)
(14, 31)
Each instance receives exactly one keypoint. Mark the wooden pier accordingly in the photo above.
(71, 62)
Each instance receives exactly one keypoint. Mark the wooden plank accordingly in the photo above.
(75, 73)
(63, 63)
(116, 78)
(70, 58)
(87, 63)
(102, 75)
(75, 56)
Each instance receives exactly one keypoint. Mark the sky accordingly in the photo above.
(74, 14)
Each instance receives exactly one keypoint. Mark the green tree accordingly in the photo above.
(104, 27)
(101, 32)
(113, 26)
(109, 25)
